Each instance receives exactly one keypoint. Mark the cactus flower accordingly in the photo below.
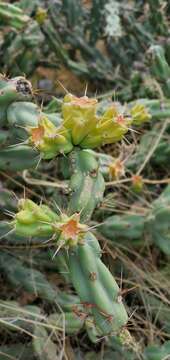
(71, 230)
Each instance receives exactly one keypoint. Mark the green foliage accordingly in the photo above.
(112, 35)
(156, 352)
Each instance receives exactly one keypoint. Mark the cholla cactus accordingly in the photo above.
(73, 134)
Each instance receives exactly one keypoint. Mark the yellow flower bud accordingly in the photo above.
(79, 116)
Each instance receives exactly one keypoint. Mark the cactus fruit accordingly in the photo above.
(32, 220)
(110, 128)
(158, 109)
(90, 130)
(137, 183)
(39, 220)
(49, 139)
(79, 116)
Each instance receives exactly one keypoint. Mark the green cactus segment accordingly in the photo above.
(157, 222)
(18, 158)
(86, 183)
(23, 114)
(49, 139)
(20, 275)
(34, 220)
(43, 346)
(157, 352)
(11, 313)
(154, 224)
(20, 115)
(13, 16)
(160, 68)
(16, 89)
(68, 321)
(159, 227)
(97, 289)
(130, 227)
